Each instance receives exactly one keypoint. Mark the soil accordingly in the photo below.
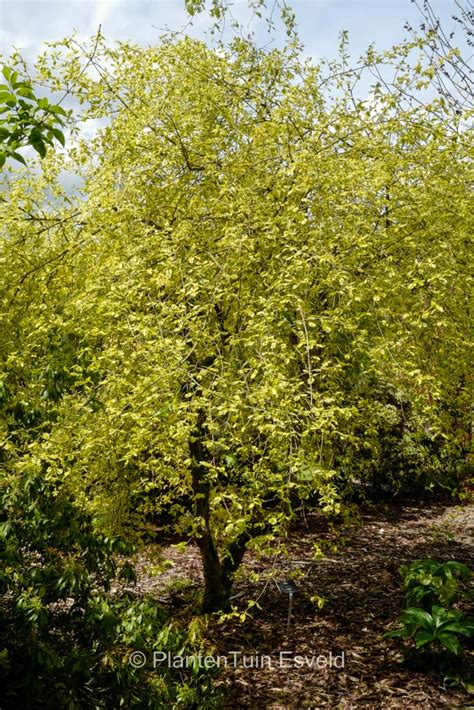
(343, 661)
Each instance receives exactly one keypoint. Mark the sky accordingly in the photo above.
(27, 24)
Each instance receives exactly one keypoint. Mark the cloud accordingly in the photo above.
(28, 24)
(103, 10)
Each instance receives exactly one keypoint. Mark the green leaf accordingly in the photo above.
(18, 157)
(416, 616)
(458, 627)
(38, 145)
(7, 97)
(422, 638)
(26, 92)
(459, 569)
(450, 642)
(57, 110)
(440, 614)
(59, 135)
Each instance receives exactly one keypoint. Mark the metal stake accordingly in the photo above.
(287, 586)
(290, 608)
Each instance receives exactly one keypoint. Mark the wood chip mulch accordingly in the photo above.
(361, 586)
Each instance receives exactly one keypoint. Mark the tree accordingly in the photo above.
(263, 295)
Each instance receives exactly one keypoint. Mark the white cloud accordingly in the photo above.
(103, 10)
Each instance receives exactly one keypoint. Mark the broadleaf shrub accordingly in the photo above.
(65, 638)
(430, 621)
(428, 582)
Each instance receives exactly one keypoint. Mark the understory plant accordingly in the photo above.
(438, 630)
(73, 634)
(428, 582)
(430, 619)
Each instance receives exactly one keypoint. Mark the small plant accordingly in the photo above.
(438, 630)
(428, 583)
(442, 533)
(431, 588)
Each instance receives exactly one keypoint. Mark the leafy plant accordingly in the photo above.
(65, 639)
(261, 289)
(429, 621)
(439, 629)
(26, 119)
(428, 582)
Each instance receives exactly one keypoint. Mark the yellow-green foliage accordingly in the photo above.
(263, 269)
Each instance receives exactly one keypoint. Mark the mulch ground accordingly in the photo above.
(361, 586)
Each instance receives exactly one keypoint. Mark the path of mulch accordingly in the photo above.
(361, 588)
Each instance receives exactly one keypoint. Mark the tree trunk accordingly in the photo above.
(216, 589)
(218, 573)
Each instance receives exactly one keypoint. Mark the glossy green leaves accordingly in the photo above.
(26, 120)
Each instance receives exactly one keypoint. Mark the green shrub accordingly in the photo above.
(429, 583)
(65, 638)
(431, 588)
